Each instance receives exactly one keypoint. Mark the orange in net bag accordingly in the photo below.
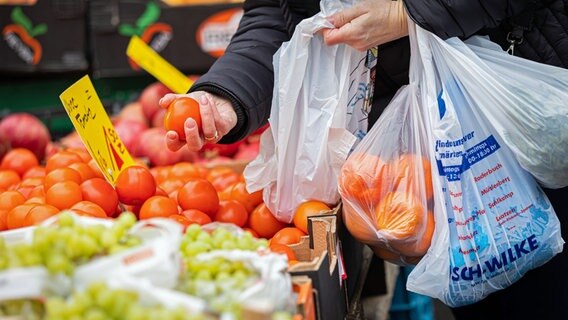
(386, 185)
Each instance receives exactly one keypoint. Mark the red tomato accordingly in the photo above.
(178, 112)
(134, 185)
(233, 212)
(158, 206)
(196, 216)
(249, 200)
(100, 192)
(199, 194)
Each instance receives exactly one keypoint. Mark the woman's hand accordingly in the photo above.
(217, 118)
(368, 24)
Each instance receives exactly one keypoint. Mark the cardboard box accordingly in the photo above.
(43, 36)
(305, 304)
(319, 261)
(190, 37)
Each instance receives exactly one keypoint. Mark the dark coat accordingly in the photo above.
(244, 74)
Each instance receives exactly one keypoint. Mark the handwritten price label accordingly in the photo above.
(152, 62)
(95, 128)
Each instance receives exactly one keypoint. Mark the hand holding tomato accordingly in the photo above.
(217, 118)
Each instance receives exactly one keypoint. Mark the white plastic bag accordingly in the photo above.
(386, 183)
(493, 222)
(318, 110)
(157, 259)
(525, 101)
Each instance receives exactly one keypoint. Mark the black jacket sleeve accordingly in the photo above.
(244, 74)
(462, 18)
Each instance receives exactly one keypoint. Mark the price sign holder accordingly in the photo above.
(151, 61)
(93, 125)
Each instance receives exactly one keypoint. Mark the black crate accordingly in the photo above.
(189, 37)
(47, 36)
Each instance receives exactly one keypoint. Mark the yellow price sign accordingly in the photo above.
(91, 121)
(152, 62)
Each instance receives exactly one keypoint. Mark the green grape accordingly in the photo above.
(58, 263)
(281, 315)
(204, 275)
(65, 220)
(99, 302)
(193, 231)
(22, 308)
(127, 218)
(64, 245)
(203, 237)
(95, 314)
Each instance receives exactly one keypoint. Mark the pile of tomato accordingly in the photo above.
(31, 192)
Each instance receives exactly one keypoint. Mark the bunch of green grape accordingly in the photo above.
(23, 308)
(196, 241)
(99, 302)
(65, 244)
(218, 281)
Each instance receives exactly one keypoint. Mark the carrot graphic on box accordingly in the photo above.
(156, 34)
(20, 36)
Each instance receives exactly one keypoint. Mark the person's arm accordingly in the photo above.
(462, 18)
(244, 74)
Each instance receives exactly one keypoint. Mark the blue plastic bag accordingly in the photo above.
(493, 221)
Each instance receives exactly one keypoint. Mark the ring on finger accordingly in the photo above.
(214, 137)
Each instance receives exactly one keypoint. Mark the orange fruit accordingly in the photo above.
(16, 218)
(38, 200)
(84, 170)
(283, 249)
(10, 199)
(199, 194)
(88, 208)
(160, 174)
(232, 211)
(407, 222)
(222, 182)
(307, 209)
(61, 175)
(183, 220)
(37, 191)
(61, 159)
(34, 172)
(3, 214)
(184, 171)
(158, 206)
(178, 111)
(171, 185)
(93, 165)
(361, 179)
(8, 179)
(414, 174)
(83, 153)
(264, 223)
(288, 235)
(40, 213)
(196, 216)
(19, 160)
(63, 195)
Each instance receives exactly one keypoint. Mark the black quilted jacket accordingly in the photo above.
(244, 74)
